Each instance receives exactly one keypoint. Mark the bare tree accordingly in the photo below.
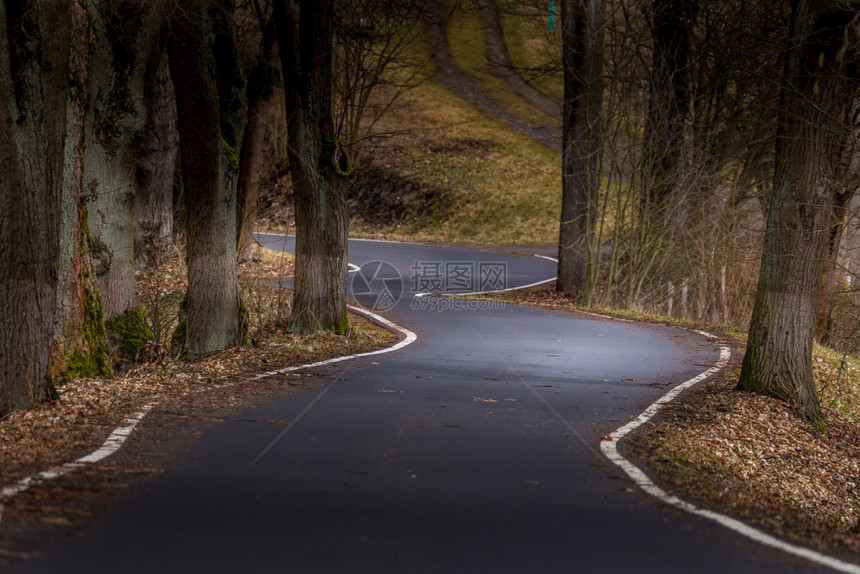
(264, 76)
(812, 142)
(582, 53)
(318, 165)
(210, 109)
(373, 64)
(669, 102)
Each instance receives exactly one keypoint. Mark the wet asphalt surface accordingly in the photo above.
(474, 449)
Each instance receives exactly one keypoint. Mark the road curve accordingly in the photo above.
(474, 449)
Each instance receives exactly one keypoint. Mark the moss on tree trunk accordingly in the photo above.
(50, 320)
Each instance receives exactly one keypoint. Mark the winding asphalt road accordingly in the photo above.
(474, 449)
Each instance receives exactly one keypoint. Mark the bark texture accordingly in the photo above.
(582, 55)
(127, 37)
(156, 165)
(317, 166)
(261, 106)
(50, 319)
(812, 138)
(209, 165)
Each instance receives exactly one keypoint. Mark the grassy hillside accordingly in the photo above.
(534, 50)
(484, 183)
(451, 173)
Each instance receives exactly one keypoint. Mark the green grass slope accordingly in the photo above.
(465, 176)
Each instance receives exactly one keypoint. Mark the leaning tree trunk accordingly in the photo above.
(317, 166)
(156, 165)
(127, 33)
(208, 158)
(830, 286)
(261, 107)
(582, 55)
(812, 137)
(250, 175)
(50, 320)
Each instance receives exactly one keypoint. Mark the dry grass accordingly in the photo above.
(500, 187)
(467, 42)
(534, 51)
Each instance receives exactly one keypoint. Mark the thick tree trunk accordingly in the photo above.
(316, 164)
(261, 107)
(50, 321)
(209, 174)
(116, 119)
(582, 37)
(153, 200)
(814, 129)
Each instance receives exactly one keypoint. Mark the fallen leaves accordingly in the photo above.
(88, 410)
(751, 455)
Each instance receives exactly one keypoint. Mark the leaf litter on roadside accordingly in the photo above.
(752, 456)
(87, 410)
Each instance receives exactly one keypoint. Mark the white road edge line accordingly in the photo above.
(116, 439)
(408, 339)
(610, 449)
(535, 284)
(112, 444)
(486, 292)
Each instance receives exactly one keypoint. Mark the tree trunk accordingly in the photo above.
(582, 37)
(116, 120)
(261, 106)
(812, 137)
(153, 199)
(317, 166)
(209, 167)
(669, 100)
(831, 284)
(50, 320)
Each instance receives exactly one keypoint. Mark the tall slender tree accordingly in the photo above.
(668, 106)
(317, 165)
(263, 78)
(582, 58)
(205, 78)
(813, 139)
